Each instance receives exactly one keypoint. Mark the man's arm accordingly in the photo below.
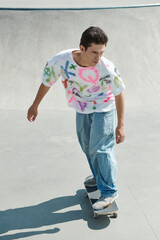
(33, 110)
(120, 130)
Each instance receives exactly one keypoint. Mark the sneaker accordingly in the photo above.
(90, 182)
(104, 202)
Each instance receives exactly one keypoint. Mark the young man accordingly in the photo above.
(95, 90)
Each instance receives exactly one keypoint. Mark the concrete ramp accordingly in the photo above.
(42, 167)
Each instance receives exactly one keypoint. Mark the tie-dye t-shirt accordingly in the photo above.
(88, 89)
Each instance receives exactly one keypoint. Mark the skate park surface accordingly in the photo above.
(42, 167)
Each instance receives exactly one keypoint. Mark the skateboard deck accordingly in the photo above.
(93, 195)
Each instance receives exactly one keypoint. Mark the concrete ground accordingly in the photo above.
(42, 168)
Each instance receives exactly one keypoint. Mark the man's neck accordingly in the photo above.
(78, 58)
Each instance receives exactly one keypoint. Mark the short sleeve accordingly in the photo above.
(117, 85)
(51, 72)
(112, 74)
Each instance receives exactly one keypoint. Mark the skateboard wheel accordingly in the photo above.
(115, 215)
(95, 215)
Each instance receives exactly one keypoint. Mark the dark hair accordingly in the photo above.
(93, 35)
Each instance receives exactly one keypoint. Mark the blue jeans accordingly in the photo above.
(96, 135)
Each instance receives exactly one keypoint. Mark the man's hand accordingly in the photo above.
(120, 134)
(32, 113)
(33, 110)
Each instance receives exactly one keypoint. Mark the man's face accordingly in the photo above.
(93, 54)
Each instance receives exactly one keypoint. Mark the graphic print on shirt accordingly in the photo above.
(50, 72)
(110, 95)
(72, 98)
(66, 70)
(78, 90)
(105, 81)
(89, 74)
(81, 88)
(73, 66)
(117, 82)
(74, 88)
(93, 89)
(65, 83)
(82, 105)
(117, 72)
(75, 95)
(88, 89)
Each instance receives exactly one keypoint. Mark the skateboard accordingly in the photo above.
(93, 195)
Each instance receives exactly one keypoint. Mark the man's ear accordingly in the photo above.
(82, 48)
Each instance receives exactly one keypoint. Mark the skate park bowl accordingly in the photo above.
(40, 160)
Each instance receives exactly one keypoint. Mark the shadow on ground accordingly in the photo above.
(45, 214)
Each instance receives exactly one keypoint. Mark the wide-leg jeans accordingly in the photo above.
(96, 135)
